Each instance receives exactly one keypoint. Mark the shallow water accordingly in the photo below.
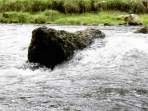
(109, 75)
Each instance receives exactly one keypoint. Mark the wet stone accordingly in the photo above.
(50, 47)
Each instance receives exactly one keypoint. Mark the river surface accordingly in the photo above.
(109, 75)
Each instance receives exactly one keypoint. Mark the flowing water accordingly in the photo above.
(109, 75)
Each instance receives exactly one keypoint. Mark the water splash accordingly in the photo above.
(111, 74)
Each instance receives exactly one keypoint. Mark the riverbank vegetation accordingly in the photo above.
(70, 11)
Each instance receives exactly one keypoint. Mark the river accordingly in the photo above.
(109, 75)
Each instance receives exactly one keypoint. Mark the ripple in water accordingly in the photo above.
(110, 75)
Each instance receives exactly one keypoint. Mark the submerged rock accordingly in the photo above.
(50, 47)
(142, 30)
(108, 24)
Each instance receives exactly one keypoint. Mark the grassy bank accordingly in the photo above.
(55, 17)
(73, 6)
(70, 11)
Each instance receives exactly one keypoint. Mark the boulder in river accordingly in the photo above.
(50, 47)
(142, 30)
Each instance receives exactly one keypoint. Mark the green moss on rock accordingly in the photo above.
(50, 47)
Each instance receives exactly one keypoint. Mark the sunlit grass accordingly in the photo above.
(144, 18)
(90, 18)
(55, 17)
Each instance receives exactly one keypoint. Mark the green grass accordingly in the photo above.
(24, 5)
(90, 18)
(69, 11)
(144, 18)
(72, 6)
(55, 17)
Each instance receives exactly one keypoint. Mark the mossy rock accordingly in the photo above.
(142, 30)
(50, 47)
(130, 19)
